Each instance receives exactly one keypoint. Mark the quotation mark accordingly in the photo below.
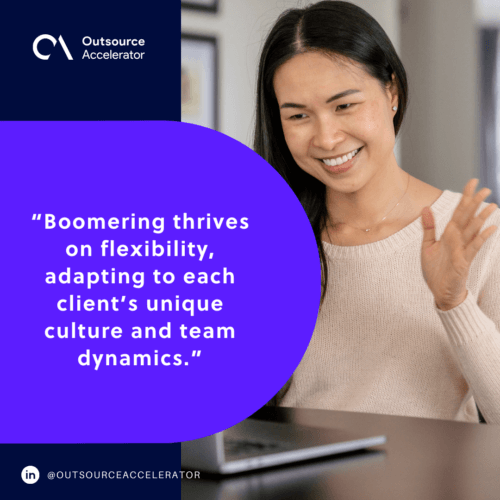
(194, 354)
(37, 217)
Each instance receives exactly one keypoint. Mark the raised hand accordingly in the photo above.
(446, 263)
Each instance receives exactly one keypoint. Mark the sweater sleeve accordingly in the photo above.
(473, 328)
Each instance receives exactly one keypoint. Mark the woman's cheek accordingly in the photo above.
(369, 122)
(377, 128)
(373, 121)
(295, 141)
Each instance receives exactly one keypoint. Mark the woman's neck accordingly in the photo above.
(378, 202)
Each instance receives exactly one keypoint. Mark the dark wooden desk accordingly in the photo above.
(423, 459)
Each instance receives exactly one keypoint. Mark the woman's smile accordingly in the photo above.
(341, 163)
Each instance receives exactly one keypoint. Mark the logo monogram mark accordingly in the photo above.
(54, 42)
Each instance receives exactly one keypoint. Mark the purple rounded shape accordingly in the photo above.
(263, 253)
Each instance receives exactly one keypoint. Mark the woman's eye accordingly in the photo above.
(298, 117)
(342, 107)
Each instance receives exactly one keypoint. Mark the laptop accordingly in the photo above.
(310, 479)
(255, 444)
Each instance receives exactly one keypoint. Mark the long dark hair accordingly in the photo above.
(334, 28)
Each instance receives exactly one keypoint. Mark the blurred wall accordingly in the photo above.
(487, 12)
(439, 139)
(488, 20)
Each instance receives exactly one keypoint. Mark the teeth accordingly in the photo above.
(341, 159)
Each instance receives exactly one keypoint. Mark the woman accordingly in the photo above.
(410, 317)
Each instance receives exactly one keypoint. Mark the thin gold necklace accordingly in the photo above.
(385, 217)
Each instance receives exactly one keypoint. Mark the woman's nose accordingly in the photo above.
(327, 135)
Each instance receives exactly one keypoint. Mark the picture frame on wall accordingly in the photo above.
(199, 80)
(202, 5)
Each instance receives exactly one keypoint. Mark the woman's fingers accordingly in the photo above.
(475, 225)
(474, 205)
(470, 187)
(460, 212)
(475, 245)
(469, 203)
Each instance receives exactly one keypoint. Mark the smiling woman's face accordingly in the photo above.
(335, 111)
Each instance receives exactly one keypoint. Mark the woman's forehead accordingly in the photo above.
(312, 74)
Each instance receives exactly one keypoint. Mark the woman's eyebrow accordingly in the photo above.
(331, 99)
(342, 94)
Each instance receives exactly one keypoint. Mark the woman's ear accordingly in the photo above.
(393, 91)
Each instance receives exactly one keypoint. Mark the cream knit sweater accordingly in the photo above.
(382, 346)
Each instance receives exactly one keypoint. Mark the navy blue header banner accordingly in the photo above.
(79, 61)
(111, 60)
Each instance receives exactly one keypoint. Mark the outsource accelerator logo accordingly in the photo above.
(54, 41)
(120, 53)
